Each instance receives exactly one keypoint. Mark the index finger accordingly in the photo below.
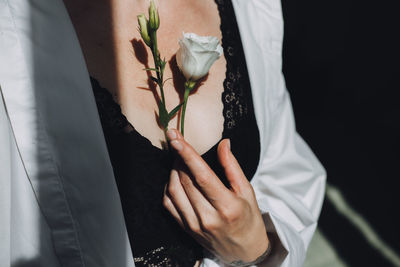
(213, 189)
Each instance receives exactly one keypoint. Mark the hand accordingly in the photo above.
(225, 221)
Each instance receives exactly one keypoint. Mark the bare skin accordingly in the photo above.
(106, 30)
(111, 59)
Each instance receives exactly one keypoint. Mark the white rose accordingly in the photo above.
(197, 54)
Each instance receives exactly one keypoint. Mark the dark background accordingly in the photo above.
(341, 68)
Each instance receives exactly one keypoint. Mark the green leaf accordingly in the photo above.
(163, 63)
(174, 111)
(163, 115)
(190, 85)
(152, 69)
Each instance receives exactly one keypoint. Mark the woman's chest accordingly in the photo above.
(116, 57)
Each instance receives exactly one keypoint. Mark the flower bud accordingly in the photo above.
(143, 29)
(154, 18)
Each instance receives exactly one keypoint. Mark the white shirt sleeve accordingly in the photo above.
(289, 185)
(290, 181)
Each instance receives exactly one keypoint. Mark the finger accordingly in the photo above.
(232, 169)
(169, 205)
(202, 207)
(181, 202)
(213, 189)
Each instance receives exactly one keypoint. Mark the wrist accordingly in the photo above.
(242, 263)
(261, 258)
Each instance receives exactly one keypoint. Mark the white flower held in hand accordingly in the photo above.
(195, 58)
(197, 54)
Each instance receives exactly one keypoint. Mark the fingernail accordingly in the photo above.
(174, 174)
(171, 134)
(176, 144)
(229, 144)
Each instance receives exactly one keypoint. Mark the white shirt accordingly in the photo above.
(59, 205)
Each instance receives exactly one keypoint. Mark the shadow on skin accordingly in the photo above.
(178, 80)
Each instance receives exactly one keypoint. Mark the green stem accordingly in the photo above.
(159, 73)
(156, 58)
(185, 99)
(166, 138)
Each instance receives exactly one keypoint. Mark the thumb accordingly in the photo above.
(231, 167)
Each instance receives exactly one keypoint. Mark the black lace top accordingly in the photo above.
(141, 169)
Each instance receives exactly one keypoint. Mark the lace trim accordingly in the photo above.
(162, 257)
(110, 112)
(235, 99)
(153, 258)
